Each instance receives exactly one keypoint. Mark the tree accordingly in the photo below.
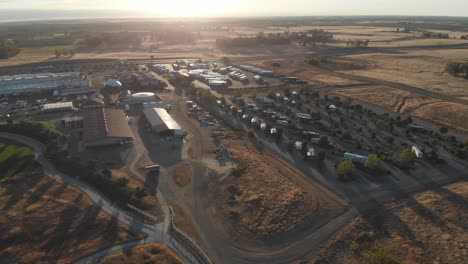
(345, 168)
(372, 162)
(324, 142)
(57, 54)
(407, 157)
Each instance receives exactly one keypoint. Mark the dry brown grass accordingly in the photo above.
(423, 69)
(268, 198)
(430, 227)
(389, 98)
(448, 114)
(183, 175)
(146, 254)
(45, 221)
(325, 79)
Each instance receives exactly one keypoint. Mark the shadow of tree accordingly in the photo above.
(67, 217)
(17, 193)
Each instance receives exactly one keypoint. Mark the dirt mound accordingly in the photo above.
(152, 253)
(45, 221)
(183, 175)
(430, 227)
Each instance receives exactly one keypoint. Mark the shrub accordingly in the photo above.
(345, 168)
(407, 157)
(372, 162)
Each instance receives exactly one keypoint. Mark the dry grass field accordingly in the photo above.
(146, 254)
(429, 227)
(447, 114)
(266, 197)
(45, 221)
(392, 99)
(423, 69)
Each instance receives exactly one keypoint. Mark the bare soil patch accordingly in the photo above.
(183, 175)
(46, 221)
(146, 254)
(430, 227)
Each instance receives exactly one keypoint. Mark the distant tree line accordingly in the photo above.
(8, 49)
(260, 39)
(358, 43)
(306, 38)
(134, 39)
(464, 37)
(172, 36)
(437, 35)
(458, 68)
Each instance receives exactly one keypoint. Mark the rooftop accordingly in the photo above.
(104, 123)
(160, 119)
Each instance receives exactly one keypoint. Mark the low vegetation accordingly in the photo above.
(459, 69)
(57, 143)
(14, 159)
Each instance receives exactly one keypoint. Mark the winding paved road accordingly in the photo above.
(154, 233)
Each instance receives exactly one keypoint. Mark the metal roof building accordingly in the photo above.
(43, 81)
(103, 127)
(58, 107)
(161, 122)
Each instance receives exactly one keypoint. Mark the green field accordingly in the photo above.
(15, 159)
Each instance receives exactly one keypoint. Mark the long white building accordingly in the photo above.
(66, 82)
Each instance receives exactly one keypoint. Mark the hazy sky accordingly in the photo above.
(255, 7)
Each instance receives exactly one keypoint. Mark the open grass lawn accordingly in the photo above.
(14, 159)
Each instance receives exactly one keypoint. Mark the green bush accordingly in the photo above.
(381, 256)
(56, 142)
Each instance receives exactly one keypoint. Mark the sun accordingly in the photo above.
(181, 8)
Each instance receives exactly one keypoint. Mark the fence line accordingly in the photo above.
(185, 240)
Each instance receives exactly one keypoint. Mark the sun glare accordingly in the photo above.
(181, 8)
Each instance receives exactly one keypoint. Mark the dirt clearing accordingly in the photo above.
(183, 175)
